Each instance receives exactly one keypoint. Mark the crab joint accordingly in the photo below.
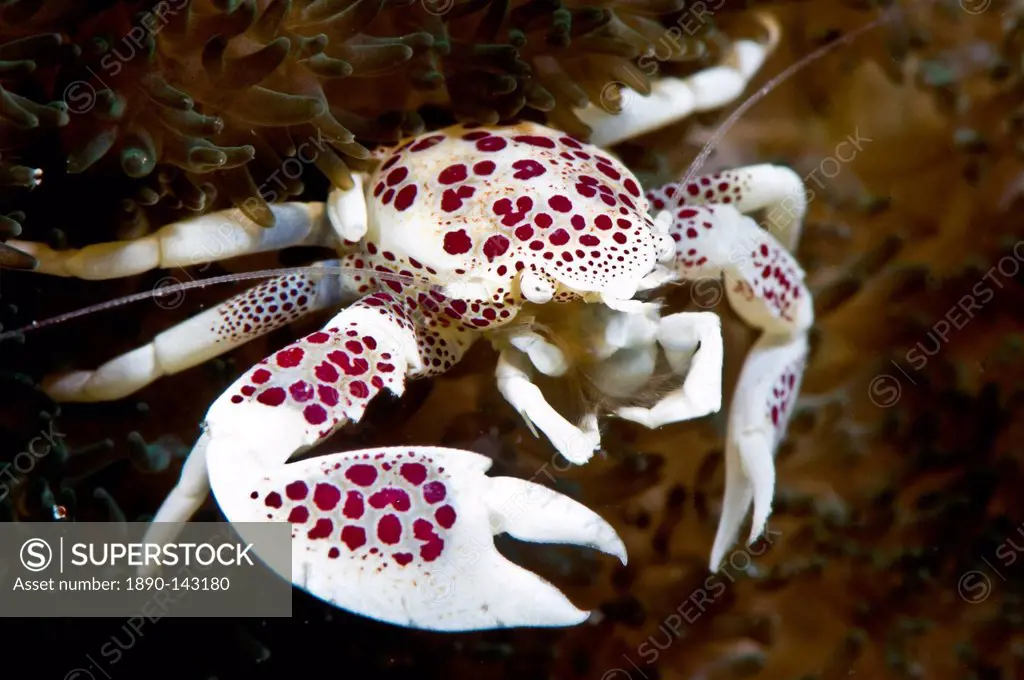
(663, 222)
(618, 296)
(346, 210)
(472, 289)
(658, 276)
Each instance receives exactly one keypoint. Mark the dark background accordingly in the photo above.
(898, 503)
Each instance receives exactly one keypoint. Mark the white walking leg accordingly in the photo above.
(184, 500)
(209, 238)
(246, 316)
(692, 342)
(776, 189)
(673, 99)
(575, 444)
(546, 357)
(760, 411)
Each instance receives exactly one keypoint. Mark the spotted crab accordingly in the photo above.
(464, 234)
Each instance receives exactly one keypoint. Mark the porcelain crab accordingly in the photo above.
(462, 234)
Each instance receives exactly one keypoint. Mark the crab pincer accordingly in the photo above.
(399, 534)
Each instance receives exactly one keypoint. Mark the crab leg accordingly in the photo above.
(184, 500)
(776, 189)
(692, 342)
(765, 286)
(209, 238)
(232, 323)
(575, 444)
(673, 99)
(545, 356)
(400, 534)
(760, 410)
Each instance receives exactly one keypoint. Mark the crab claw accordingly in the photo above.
(405, 535)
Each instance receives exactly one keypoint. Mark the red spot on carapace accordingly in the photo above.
(527, 169)
(524, 233)
(491, 143)
(406, 197)
(396, 176)
(609, 171)
(495, 246)
(273, 500)
(457, 242)
(425, 144)
(534, 140)
(298, 515)
(451, 199)
(452, 174)
(560, 203)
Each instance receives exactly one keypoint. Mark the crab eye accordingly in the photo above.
(536, 288)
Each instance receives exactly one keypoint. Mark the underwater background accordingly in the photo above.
(893, 548)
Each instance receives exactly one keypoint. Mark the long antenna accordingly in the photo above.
(888, 15)
(202, 283)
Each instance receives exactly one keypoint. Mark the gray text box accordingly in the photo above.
(92, 569)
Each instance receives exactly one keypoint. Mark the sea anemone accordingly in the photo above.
(24, 120)
(208, 102)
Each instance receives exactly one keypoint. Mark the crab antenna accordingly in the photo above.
(181, 287)
(765, 89)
